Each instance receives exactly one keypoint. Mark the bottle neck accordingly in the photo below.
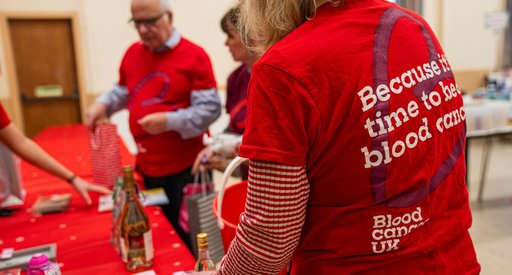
(203, 253)
(131, 194)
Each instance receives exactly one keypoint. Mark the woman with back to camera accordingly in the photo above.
(355, 134)
(215, 157)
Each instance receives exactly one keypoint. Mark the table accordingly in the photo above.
(485, 120)
(81, 233)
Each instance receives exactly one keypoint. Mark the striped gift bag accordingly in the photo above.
(105, 154)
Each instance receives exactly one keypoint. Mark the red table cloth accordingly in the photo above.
(81, 233)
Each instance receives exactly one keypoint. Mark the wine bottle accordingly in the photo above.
(204, 262)
(118, 205)
(136, 242)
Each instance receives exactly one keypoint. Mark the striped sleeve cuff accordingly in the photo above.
(270, 228)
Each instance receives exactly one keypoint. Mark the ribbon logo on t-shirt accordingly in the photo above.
(422, 79)
(388, 229)
(159, 97)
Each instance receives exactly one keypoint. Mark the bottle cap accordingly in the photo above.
(202, 240)
(38, 259)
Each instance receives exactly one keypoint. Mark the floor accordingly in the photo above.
(492, 218)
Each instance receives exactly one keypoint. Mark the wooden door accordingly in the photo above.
(44, 59)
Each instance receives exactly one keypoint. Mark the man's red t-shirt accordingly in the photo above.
(363, 96)
(163, 82)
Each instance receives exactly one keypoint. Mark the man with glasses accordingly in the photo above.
(168, 86)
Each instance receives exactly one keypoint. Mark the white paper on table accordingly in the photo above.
(149, 272)
(154, 196)
(105, 203)
(149, 197)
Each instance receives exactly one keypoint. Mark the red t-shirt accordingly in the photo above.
(4, 118)
(364, 97)
(162, 82)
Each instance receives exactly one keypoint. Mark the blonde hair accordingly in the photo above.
(264, 22)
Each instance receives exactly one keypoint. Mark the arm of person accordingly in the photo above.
(270, 228)
(107, 104)
(189, 122)
(219, 153)
(31, 152)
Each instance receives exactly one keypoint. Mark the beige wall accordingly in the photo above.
(467, 42)
(472, 49)
(197, 20)
(105, 34)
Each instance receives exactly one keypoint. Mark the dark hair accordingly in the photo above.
(230, 19)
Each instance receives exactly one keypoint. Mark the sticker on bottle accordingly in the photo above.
(148, 245)
(124, 253)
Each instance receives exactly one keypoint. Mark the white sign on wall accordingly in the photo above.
(497, 20)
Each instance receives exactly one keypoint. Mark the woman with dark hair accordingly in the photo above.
(217, 157)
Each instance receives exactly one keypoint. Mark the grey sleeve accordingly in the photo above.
(115, 100)
(193, 121)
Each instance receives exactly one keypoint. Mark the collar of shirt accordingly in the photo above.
(170, 43)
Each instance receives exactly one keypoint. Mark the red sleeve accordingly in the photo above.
(282, 120)
(4, 118)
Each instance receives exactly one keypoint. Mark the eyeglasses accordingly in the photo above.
(146, 22)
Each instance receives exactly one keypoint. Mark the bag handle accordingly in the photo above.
(94, 138)
(205, 179)
(96, 130)
(227, 173)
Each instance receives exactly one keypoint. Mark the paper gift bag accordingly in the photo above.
(201, 219)
(12, 193)
(105, 154)
(204, 186)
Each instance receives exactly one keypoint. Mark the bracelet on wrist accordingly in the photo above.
(71, 179)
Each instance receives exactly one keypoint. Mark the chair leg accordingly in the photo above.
(485, 159)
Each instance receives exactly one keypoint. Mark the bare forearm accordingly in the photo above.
(32, 153)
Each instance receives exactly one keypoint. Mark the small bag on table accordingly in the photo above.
(105, 154)
(201, 218)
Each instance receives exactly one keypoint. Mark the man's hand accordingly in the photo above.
(83, 187)
(154, 124)
(97, 112)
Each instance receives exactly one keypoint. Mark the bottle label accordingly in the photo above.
(148, 245)
(141, 246)
(135, 247)
(122, 246)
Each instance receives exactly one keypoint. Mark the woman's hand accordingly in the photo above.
(83, 187)
(208, 159)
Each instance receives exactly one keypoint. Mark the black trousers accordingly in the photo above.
(173, 186)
